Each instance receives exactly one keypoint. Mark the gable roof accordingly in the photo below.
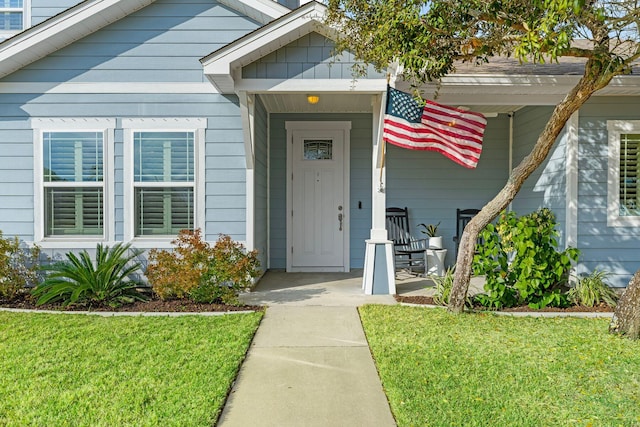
(222, 65)
(91, 15)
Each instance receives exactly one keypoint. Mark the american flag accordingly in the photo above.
(455, 133)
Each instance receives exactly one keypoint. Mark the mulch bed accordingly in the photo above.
(602, 308)
(24, 301)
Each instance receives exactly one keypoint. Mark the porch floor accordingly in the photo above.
(278, 287)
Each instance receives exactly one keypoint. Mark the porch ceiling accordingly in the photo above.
(348, 103)
(329, 103)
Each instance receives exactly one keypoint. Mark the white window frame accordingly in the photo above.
(130, 126)
(616, 128)
(26, 18)
(104, 125)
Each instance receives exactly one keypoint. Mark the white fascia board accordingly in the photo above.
(503, 84)
(372, 86)
(490, 96)
(61, 30)
(263, 11)
(543, 84)
(106, 87)
(219, 67)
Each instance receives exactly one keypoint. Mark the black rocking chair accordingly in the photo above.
(463, 216)
(408, 252)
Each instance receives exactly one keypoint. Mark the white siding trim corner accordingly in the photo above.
(571, 171)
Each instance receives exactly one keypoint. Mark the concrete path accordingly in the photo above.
(309, 363)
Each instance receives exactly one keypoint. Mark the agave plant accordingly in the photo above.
(80, 280)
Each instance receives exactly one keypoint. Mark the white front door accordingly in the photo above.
(318, 228)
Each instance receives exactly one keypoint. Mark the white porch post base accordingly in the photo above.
(379, 276)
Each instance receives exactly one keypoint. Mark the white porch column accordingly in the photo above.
(379, 272)
(247, 111)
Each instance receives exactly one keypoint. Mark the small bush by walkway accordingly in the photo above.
(91, 370)
(483, 369)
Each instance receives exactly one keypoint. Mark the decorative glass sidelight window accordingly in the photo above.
(73, 183)
(164, 182)
(12, 15)
(623, 199)
(318, 149)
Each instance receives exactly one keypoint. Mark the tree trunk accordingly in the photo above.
(588, 84)
(626, 318)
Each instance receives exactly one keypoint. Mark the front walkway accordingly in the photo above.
(309, 363)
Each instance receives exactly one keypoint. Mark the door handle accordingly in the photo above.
(340, 219)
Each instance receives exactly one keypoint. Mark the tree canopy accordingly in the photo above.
(426, 39)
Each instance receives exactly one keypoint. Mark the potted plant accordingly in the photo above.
(431, 230)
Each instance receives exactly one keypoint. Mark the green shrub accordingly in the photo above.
(592, 289)
(79, 280)
(521, 262)
(197, 271)
(18, 266)
(443, 286)
(175, 273)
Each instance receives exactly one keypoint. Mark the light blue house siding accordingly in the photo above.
(311, 56)
(614, 249)
(41, 10)
(16, 175)
(160, 43)
(433, 187)
(360, 185)
(546, 187)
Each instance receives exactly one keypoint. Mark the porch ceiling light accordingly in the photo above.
(313, 99)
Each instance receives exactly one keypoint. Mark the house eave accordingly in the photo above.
(90, 16)
(221, 65)
(263, 11)
(504, 84)
(62, 30)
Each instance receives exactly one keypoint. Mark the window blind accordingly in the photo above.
(71, 158)
(11, 15)
(167, 160)
(629, 165)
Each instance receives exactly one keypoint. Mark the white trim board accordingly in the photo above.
(571, 171)
(107, 87)
(616, 128)
(107, 127)
(130, 125)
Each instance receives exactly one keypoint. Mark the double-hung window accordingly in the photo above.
(13, 16)
(624, 170)
(71, 162)
(164, 175)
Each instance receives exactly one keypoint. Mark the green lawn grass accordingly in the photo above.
(487, 370)
(77, 370)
